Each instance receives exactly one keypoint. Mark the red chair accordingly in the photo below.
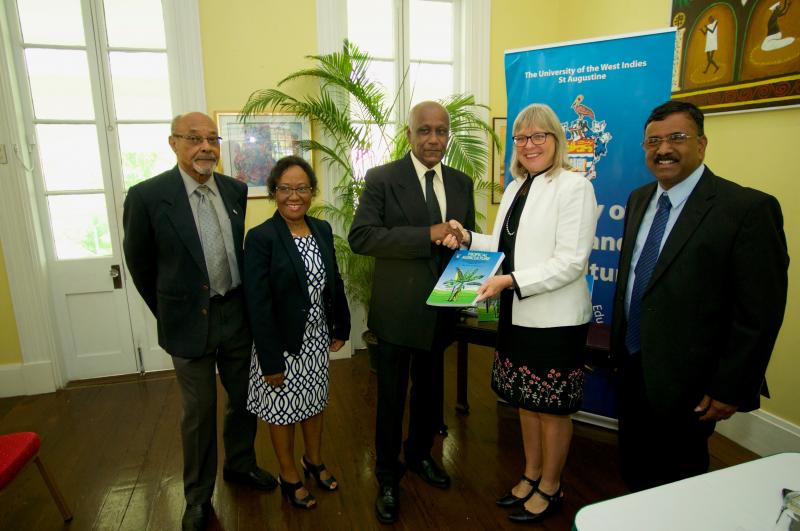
(16, 450)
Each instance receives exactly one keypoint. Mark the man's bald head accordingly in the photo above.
(194, 139)
(428, 131)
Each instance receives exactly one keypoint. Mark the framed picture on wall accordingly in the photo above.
(251, 146)
(736, 55)
(498, 160)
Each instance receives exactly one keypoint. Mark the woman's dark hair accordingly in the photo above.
(284, 164)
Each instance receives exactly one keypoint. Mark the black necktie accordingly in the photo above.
(430, 198)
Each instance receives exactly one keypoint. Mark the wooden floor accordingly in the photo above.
(114, 448)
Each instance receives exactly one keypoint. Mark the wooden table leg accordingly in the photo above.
(462, 365)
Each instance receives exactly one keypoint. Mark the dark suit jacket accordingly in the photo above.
(715, 302)
(165, 257)
(277, 291)
(392, 224)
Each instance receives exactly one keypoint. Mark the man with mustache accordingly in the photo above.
(183, 247)
(699, 301)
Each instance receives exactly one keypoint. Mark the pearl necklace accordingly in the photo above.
(523, 190)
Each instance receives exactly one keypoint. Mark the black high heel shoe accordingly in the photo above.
(290, 491)
(309, 469)
(524, 516)
(509, 500)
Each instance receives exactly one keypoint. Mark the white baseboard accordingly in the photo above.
(345, 352)
(597, 420)
(761, 432)
(17, 379)
(758, 431)
(11, 381)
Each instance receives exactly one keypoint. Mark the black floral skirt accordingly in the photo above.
(540, 369)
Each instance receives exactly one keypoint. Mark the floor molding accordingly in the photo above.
(597, 420)
(345, 352)
(11, 381)
(761, 432)
(34, 378)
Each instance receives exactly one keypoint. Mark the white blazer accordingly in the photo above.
(551, 250)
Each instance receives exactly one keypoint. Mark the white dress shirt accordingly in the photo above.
(438, 183)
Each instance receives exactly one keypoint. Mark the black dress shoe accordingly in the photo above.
(524, 516)
(509, 500)
(256, 478)
(387, 504)
(195, 517)
(431, 472)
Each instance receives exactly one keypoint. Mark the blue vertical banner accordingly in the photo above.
(602, 91)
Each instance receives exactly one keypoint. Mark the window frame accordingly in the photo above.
(470, 53)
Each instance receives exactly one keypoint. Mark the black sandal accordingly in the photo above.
(309, 469)
(509, 500)
(290, 491)
(524, 516)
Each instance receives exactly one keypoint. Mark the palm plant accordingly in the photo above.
(355, 117)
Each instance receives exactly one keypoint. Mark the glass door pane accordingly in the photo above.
(80, 226)
(370, 24)
(430, 81)
(69, 156)
(144, 151)
(430, 30)
(60, 85)
(134, 24)
(141, 85)
(51, 22)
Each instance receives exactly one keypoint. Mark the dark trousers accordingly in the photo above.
(394, 364)
(228, 349)
(656, 448)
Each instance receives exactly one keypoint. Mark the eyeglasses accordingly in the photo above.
(197, 140)
(536, 138)
(286, 191)
(675, 139)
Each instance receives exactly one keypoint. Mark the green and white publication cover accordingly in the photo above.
(467, 270)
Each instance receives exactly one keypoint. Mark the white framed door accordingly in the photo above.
(95, 81)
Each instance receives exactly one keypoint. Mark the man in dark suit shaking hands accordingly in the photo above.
(699, 301)
(399, 221)
(183, 246)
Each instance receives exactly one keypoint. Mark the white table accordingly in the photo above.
(744, 497)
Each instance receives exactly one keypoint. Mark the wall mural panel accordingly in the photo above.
(734, 55)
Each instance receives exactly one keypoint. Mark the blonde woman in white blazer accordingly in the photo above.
(545, 225)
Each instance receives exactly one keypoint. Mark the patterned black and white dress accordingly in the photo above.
(304, 392)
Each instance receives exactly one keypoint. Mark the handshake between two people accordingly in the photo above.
(450, 234)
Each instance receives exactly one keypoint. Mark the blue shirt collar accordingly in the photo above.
(680, 192)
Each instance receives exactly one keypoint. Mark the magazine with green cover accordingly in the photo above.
(466, 271)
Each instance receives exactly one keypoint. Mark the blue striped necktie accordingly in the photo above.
(644, 270)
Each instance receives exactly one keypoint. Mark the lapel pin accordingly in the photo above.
(234, 211)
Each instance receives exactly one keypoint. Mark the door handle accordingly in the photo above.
(116, 276)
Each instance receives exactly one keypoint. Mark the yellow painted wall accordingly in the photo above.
(9, 340)
(753, 149)
(251, 45)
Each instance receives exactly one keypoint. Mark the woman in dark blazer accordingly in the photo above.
(298, 312)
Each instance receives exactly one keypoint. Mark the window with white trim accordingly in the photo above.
(99, 88)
